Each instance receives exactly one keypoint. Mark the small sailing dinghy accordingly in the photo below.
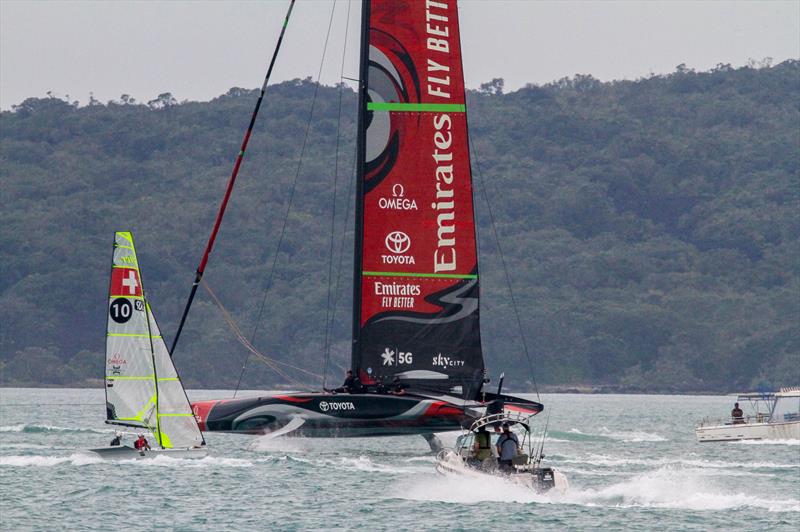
(474, 454)
(143, 389)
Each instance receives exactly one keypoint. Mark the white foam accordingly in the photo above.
(767, 442)
(608, 461)
(21, 427)
(77, 459)
(465, 490)
(206, 461)
(633, 436)
(674, 487)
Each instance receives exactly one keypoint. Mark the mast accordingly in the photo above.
(231, 181)
(361, 141)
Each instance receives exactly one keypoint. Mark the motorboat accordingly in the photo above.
(526, 468)
(775, 416)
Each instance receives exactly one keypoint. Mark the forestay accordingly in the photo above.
(142, 386)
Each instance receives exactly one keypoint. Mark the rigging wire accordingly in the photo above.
(290, 201)
(328, 318)
(229, 187)
(270, 362)
(505, 267)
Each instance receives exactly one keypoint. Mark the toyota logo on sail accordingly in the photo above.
(398, 242)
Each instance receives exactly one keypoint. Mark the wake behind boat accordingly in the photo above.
(143, 389)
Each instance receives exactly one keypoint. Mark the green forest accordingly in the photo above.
(651, 230)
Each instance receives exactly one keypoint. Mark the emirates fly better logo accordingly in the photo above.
(397, 242)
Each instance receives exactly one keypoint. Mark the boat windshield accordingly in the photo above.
(786, 409)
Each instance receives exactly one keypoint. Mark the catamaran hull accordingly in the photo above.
(344, 415)
(749, 431)
(123, 452)
(449, 463)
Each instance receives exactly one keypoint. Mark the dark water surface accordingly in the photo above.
(631, 460)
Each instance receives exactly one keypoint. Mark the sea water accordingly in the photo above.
(631, 460)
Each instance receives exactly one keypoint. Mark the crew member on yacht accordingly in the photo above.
(352, 384)
(507, 449)
(737, 415)
(398, 387)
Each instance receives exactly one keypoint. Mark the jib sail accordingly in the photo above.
(142, 387)
(416, 267)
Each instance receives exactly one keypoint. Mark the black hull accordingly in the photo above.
(342, 415)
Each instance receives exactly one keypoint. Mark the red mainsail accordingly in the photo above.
(416, 304)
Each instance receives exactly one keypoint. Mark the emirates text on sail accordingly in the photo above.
(438, 30)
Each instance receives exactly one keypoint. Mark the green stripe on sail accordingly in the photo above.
(428, 275)
(130, 378)
(175, 415)
(126, 266)
(417, 107)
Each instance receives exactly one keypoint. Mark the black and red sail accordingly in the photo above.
(416, 293)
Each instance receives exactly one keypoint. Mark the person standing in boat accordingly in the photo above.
(482, 448)
(117, 440)
(507, 446)
(737, 415)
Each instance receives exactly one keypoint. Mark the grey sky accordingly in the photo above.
(199, 49)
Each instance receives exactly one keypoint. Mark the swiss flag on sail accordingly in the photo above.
(125, 282)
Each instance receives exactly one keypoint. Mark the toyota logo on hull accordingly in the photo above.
(341, 405)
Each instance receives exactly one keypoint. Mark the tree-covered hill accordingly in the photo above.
(651, 229)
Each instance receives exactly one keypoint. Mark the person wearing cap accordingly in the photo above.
(507, 446)
(117, 440)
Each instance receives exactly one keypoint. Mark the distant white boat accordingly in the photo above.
(143, 389)
(776, 417)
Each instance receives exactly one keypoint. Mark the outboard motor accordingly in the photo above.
(543, 479)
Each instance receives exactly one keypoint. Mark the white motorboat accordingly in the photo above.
(526, 468)
(776, 416)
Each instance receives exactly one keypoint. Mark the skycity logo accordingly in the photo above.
(446, 362)
(326, 406)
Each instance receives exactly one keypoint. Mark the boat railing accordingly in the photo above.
(746, 420)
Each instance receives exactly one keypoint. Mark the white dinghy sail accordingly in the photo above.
(143, 389)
